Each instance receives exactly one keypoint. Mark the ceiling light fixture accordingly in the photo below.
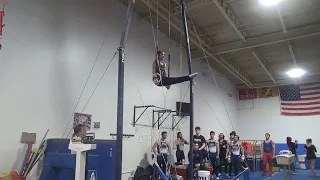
(295, 73)
(269, 2)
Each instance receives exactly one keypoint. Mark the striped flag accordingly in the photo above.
(300, 100)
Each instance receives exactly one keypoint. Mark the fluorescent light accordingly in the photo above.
(269, 2)
(295, 73)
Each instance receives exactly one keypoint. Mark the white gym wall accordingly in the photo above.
(259, 116)
(48, 50)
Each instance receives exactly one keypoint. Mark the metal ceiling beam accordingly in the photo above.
(279, 37)
(231, 18)
(202, 46)
(195, 5)
(191, 6)
(281, 82)
(283, 25)
(264, 64)
(232, 65)
(292, 53)
(191, 23)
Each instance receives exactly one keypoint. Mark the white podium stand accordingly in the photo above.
(80, 150)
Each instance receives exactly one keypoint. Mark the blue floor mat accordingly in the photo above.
(301, 175)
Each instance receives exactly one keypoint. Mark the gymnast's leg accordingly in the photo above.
(167, 81)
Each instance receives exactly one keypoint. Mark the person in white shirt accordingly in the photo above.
(162, 149)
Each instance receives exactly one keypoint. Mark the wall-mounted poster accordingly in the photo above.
(266, 92)
(84, 119)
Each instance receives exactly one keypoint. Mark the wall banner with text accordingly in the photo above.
(245, 94)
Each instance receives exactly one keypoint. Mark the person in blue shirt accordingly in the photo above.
(236, 154)
(268, 151)
(214, 150)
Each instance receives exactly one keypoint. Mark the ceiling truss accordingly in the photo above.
(203, 46)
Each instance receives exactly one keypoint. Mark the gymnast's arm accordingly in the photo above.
(154, 71)
(242, 149)
(185, 141)
(154, 147)
(274, 149)
(218, 148)
(177, 141)
(261, 148)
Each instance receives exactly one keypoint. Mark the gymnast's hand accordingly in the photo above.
(155, 80)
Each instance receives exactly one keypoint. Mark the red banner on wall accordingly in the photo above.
(245, 94)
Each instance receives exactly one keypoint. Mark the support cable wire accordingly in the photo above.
(82, 91)
(212, 73)
(103, 74)
(151, 121)
(155, 38)
(216, 117)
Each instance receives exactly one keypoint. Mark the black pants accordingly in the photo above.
(237, 163)
(223, 162)
(167, 81)
(229, 168)
(162, 159)
(293, 165)
(215, 163)
(180, 156)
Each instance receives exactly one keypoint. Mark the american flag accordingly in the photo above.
(300, 100)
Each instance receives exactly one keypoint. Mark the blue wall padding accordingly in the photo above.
(283, 146)
(102, 159)
(68, 161)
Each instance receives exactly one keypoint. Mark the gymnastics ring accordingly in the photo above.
(157, 79)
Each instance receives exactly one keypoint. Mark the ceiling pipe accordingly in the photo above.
(292, 53)
(283, 25)
(267, 43)
(264, 64)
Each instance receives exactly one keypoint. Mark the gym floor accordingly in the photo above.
(301, 175)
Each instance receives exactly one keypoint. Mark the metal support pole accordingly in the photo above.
(152, 118)
(121, 91)
(136, 120)
(158, 121)
(134, 116)
(177, 122)
(173, 119)
(185, 27)
(164, 120)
